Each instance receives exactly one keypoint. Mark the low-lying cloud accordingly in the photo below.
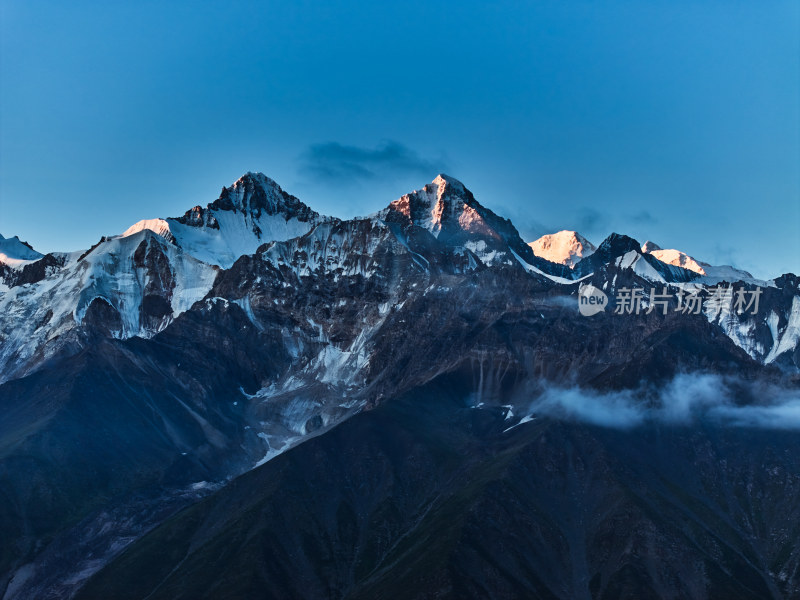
(685, 400)
(338, 163)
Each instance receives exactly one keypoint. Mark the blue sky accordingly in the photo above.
(671, 120)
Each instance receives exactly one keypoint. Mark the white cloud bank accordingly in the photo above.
(685, 400)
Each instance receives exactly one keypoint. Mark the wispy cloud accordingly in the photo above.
(591, 221)
(337, 163)
(599, 223)
(643, 217)
(686, 399)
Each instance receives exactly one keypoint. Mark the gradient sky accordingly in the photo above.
(671, 120)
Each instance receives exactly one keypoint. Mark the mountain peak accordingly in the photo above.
(710, 273)
(564, 247)
(256, 193)
(256, 176)
(443, 182)
(443, 204)
(251, 180)
(618, 244)
(450, 212)
(15, 253)
(625, 252)
(649, 246)
(673, 257)
(614, 246)
(251, 211)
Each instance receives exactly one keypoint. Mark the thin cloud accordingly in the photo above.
(591, 221)
(687, 399)
(596, 223)
(337, 163)
(644, 217)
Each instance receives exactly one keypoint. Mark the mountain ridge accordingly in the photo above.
(192, 374)
(255, 211)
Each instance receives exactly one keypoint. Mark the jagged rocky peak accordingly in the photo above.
(624, 252)
(617, 249)
(618, 244)
(454, 202)
(257, 193)
(16, 253)
(430, 206)
(15, 257)
(253, 194)
(251, 211)
(450, 212)
(20, 264)
(564, 247)
(445, 206)
(447, 184)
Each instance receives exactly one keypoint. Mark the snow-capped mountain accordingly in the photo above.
(142, 279)
(122, 287)
(622, 251)
(16, 253)
(158, 365)
(252, 211)
(136, 283)
(711, 274)
(450, 212)
(564, 247)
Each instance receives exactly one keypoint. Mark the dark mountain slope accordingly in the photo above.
(427, 498)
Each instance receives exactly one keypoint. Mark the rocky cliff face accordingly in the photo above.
(141, 377)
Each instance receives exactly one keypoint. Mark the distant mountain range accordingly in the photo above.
(256, 400)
